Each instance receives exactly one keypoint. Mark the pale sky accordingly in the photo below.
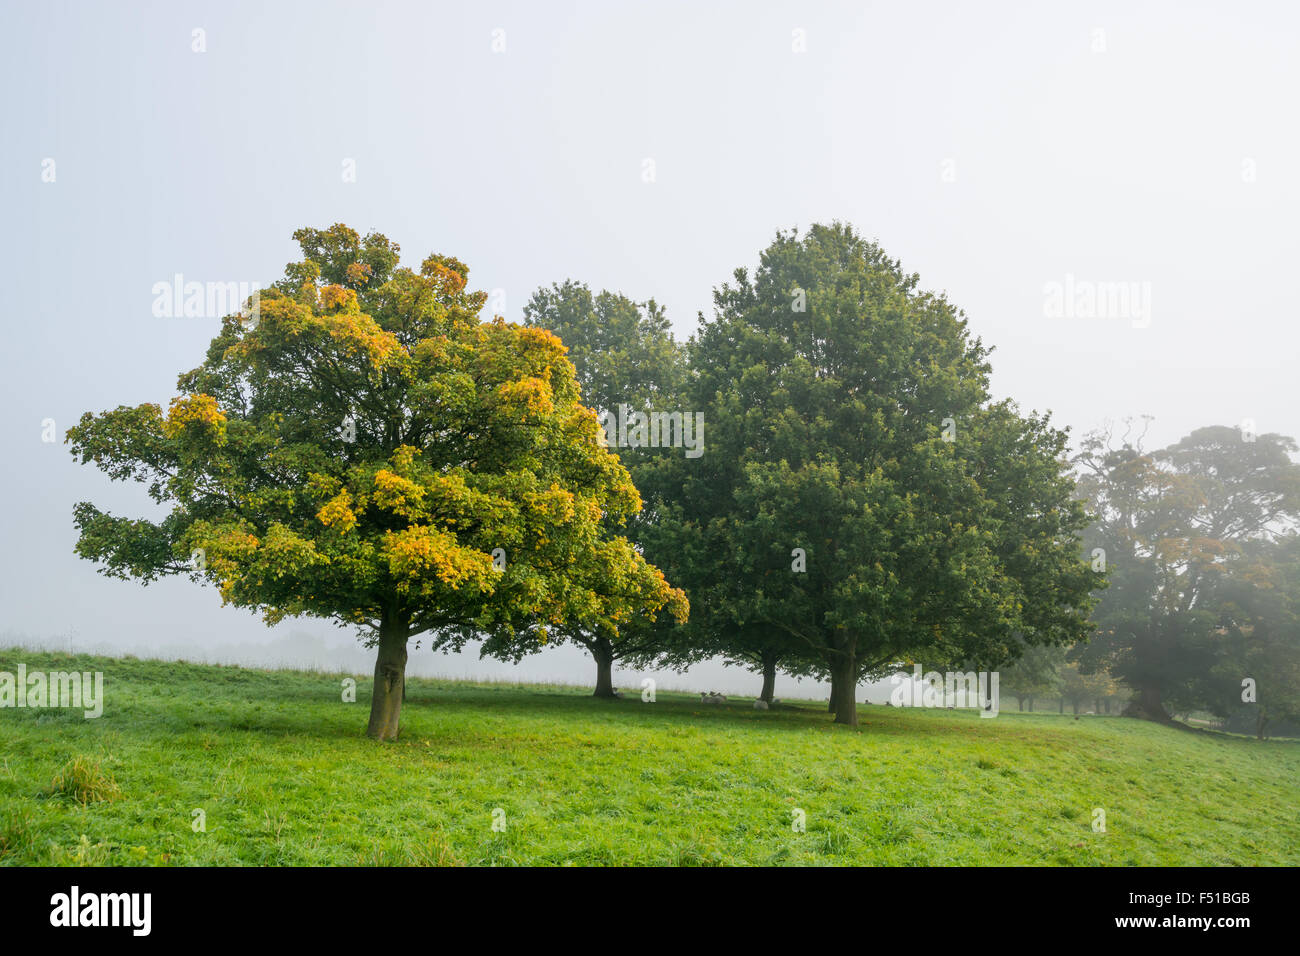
(996, 149)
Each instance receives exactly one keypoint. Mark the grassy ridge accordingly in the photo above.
(280, 767)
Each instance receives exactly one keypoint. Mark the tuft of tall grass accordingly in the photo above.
(15, 833)
(85, 781)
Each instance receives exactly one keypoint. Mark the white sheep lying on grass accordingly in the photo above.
(712, 698)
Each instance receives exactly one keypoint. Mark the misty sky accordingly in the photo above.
(996, 149)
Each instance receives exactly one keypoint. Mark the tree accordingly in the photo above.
(362, 448)
(1176, 528)
(625, 358)
(1078, 687)
(1258, 675)
(1036, 672)
(615, 600)
(860, 494)
(623, 351)
(679, 540)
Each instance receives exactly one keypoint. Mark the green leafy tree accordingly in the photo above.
(625, 359)
(1258, 675)
(1177, 529)
(1034, 674)
(615, 600)
(1078, 687)
(362, 448)
(689, 538)
(624, 351)
(860, 494)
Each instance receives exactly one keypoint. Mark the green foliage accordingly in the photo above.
(1078, 687)
(1195, 541)
(623, 351)
(361, 448)
(1259, 608)
(1036, 672)
(624, 356)
(832, 386)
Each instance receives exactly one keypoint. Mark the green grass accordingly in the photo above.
(282, 771)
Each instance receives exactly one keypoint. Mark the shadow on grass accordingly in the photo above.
(176, 697)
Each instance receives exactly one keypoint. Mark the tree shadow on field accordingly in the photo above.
(669, 710)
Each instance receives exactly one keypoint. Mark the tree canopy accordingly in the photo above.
(361, 447)
(1193, 538)
(862, 499)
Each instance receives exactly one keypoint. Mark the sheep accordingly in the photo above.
(760, 705)
(713, 698)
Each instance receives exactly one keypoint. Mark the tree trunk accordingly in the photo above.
(844, 687)
(1148, 705)
(1076, 708)
(1031, 705)
(390, 677)
(1260, 723)
(769, 678)
(604, 655)
(1060, 705)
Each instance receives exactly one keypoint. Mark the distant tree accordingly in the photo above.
(1259, 607)
(1077, 687)
(624, 351)
(616, 598)
(1175, 527)
(364, 449)
(625, 360)
(1035, 673)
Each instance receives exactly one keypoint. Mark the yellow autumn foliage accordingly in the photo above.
(532, 394)
(398, 495)
(337, 513)
(200, 410)
(420, 557)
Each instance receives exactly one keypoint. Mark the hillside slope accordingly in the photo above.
(279, 767)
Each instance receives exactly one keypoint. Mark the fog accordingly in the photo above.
(1027, 159)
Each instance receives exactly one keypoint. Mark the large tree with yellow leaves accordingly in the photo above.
(359, 446)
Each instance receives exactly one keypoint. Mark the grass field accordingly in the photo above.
(283, 774)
